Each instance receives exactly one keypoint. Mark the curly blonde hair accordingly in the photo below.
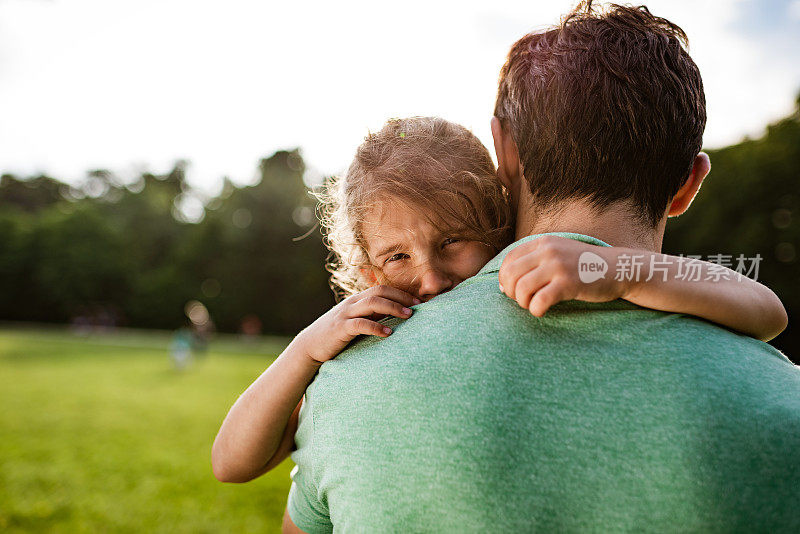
(433, 165)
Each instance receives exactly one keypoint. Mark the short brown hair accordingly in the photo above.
(433, 165)
(607, 106)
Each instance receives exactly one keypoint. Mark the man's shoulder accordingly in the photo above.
(474, 305)
(477, 315)
(615, 342)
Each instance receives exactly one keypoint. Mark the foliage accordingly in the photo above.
(750, 204)
(129, 254)
(109, 253)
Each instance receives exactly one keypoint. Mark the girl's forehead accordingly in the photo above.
(396, 223)
(393, 219)
(400, 213)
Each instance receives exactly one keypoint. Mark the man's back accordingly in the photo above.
(475, 415)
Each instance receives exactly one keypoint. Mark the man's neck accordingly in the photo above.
(617, 224)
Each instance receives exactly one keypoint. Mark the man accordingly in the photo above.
(475, 416)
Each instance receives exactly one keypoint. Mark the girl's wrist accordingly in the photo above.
(627, 287)
(301, 349)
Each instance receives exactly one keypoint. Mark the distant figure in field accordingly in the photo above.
(181, 348)
(250, 326)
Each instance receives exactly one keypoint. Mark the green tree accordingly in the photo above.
(750, 204)
(253, 251)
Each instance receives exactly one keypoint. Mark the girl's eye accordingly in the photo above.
(450, 241)
(396, 257)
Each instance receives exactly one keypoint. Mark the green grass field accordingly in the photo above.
(101, 434)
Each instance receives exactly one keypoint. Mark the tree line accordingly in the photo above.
(135, 253)
(125, 254)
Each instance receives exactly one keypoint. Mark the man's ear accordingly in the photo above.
(683, 198)
(509, 169)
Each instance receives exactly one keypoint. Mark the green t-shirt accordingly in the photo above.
(475, 416)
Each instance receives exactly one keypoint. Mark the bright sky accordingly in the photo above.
(129, 85)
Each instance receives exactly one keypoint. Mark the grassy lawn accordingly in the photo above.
(99, 433)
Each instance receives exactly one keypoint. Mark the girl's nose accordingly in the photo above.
(432, 282)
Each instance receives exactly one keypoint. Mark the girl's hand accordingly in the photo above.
(543, 272)
(259, 429)
(358, 314)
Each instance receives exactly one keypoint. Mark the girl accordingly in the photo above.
(419, 211)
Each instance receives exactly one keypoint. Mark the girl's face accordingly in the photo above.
(412, 252)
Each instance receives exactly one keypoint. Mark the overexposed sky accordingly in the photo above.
(131, 85)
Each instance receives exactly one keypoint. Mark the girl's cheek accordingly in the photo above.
(475, 257)
(392, 276)
(408, 282)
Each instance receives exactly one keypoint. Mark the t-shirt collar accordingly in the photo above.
(494, 263)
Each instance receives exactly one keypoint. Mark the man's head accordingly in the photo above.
(608, 107)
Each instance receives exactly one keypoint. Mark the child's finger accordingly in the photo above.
(375, 305)
(523, 249)
(392, 293)
(549, 295)
(511, 271)
(527, 286)
(361, 326)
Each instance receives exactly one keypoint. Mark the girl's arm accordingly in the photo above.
(542, 272)
(729, 299)
(249, 441)
(258, 432)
